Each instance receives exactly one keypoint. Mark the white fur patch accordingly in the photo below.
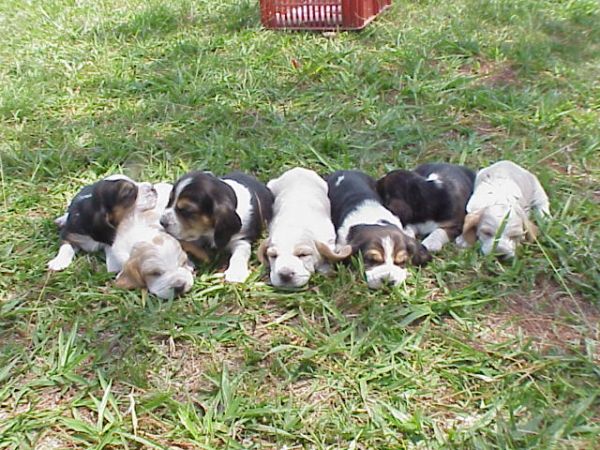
(435, 178)
(244, 203)
(339, 180)
(63, 259)
(369, 212)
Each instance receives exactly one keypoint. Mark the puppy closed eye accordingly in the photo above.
(373, 258)
(155, 273)
(487, 233)
(272, 253)
(400, 258)
(304, 253)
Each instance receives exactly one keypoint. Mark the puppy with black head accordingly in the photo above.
(226, 213)
(94, 214)
(362, 222)
(430, 200)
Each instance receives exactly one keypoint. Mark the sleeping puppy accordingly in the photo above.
(226, 213)
(498, 211)
(146, 256)
(371, 229)
(430, 200)
(301, 235)
(93, 216)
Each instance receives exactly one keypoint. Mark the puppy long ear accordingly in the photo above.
(262, 252)
(531, 230)
(469, 231)
(130, 277)
(227, 223)
(419, 255)
(101, 229)
(339, 254)
(380, 187)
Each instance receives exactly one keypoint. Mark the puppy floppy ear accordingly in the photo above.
(531, 230)
(380, 188)
(227, 223)
(469, 231)
(262, 252)
(130, 277)
(339, 254)
(419, 255)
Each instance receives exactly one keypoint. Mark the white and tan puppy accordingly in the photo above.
(301, 235)
(498, 211)
(146, 256)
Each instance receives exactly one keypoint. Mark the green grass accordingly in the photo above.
(471, 353)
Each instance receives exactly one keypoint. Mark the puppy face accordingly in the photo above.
(201, 205)
(161, 266)
(395, 191)
(386, 250)
(499, 228)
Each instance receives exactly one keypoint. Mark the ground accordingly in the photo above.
(470, 353)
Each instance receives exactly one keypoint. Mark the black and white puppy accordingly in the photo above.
(226, 213)
(431, 200)
(94, 214)
(361, 221)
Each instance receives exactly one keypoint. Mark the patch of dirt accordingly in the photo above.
(550, 317)
(492, 73)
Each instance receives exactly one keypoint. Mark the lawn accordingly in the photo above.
(470, 353)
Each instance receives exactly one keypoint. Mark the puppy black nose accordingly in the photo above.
(286, 277)
(163, 222)
(179, 289)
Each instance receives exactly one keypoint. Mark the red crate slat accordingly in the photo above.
(320, 14)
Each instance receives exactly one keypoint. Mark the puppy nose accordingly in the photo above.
(163, 221)
(179, 289)
(286, 276)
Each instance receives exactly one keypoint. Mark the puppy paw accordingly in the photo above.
(432, 245)
(58, 264)
(236, 274)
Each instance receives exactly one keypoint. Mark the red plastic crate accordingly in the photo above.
(320, 14)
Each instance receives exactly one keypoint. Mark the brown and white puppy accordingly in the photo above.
(499, 209)
(226, 213)
(430, 200)
(301, 235)
(371, 229)
(146, 256)
(94, 214)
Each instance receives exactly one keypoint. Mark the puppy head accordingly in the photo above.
(297, 176)
(292, 264)
(397, 189)
(201, 205)
(386, 250)
(161, 266)
(499, 228)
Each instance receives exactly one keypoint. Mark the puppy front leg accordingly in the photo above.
(63, 259)
(436, 240)
(237, 272)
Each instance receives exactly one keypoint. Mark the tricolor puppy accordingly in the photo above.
(371, 229)
(498, 211)
(146, 256)
(93, 216)
(226, 213)
(301, 235)
(430, 200)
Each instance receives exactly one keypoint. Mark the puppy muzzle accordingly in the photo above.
(385, 274)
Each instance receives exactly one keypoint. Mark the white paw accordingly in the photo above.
(58, 264)
(236, 274)
(433, 245)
